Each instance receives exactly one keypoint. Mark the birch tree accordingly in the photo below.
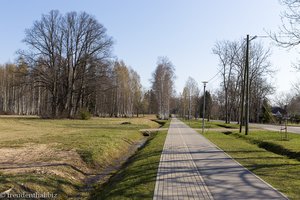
(163, 85)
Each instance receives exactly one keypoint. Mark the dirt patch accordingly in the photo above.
(47, 159)
(42, 159)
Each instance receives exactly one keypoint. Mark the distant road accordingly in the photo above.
(291, 129)
(271, 127)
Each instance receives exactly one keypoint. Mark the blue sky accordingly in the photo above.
(183, 30)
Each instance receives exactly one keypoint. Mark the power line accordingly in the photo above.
(215, 75)
(242, 45)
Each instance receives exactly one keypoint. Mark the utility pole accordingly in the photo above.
(247, 87)
(203, 113)
(243, 99)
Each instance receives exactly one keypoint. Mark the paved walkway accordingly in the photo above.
(193, 168)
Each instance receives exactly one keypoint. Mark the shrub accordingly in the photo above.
(85, 114)
(124, 123)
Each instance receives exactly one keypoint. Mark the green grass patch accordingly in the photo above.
(279, 171)
(137, 179)
(86, 156)
(197, 123)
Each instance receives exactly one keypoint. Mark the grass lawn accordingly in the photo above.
(137, 179)
(197, 123)
(57, 155)
(272, 141)
(280, 171)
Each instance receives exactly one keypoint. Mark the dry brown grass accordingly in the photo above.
(59, 155)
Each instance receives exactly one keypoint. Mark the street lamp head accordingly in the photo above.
(204, 82)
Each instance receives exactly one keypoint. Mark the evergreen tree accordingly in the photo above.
(266, 115)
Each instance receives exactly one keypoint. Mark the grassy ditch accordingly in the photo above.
(57, 156)
(162, 123)
(271, 141)
(137, 178)
(278, 170)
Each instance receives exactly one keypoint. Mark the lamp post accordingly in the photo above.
(189, 105)
(203, 113)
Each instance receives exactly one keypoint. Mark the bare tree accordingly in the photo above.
(232, 63)
(289, 33)
(136, 92)
(162, 85)
(192, 91)
(226, 52)
(63, 52)
(128, 90)
(293, 106)
(282, 99)
(184, 103)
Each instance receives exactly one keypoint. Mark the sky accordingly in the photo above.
(185, 31)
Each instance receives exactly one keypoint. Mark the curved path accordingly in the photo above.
(191, 167)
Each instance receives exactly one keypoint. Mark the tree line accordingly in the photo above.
(68, 68)
(111, 89)
(231, 55)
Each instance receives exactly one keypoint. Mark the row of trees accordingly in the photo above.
(115, 91)
(68, 69)
(226, 102)
(110, 88)
(191, 102)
